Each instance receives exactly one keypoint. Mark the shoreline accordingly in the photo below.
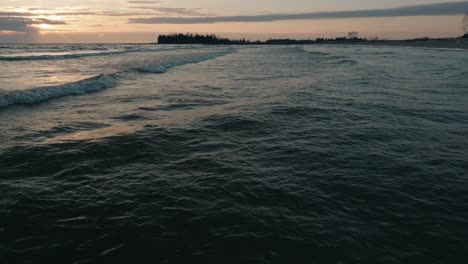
(459, 45)
(189, 38)
(432, 43)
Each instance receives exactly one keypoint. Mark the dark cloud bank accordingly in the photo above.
(22, 24)
(453, 8)
(23, 27)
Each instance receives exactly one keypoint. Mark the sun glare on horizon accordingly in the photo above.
(44, 26)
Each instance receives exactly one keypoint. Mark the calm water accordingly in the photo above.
(195, 154)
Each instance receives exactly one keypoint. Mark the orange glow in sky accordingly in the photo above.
(140, 21)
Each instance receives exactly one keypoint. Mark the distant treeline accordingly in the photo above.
(216, 40)
(197, 39)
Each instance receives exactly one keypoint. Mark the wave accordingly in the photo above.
(162, 68)
(40, 94)
(76, 55)
(93, 84)
(341, 61)
(153, 69)
(349, 61)
(317, 53)
(313, 52)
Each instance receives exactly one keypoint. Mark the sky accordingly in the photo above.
(133, 21)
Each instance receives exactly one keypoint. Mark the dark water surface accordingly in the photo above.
(311, 154)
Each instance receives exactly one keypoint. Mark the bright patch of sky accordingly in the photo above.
(139, 20)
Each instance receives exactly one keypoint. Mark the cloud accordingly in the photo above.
(140, 9)
(15, 14)
(22, 24)
(122, 14)
(144, 2)
(76, 13)
(172, 10)
(143, 5)
(30, 14)
(452, 8)
(148, 11)
(21, 29)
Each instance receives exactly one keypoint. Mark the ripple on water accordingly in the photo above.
(232, 161)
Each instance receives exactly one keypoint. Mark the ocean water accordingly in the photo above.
(233, 154)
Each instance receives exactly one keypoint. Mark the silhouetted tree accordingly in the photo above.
(190, 38)
(353, 35)
(212, 39)
(465, 23)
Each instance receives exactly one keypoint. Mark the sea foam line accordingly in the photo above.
(77, 55)
(40, 94)
(162, 68)
(93, 84)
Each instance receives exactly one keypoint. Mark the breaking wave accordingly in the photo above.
(36, 95)
(164, 67)
(76, 55)
(93, 84)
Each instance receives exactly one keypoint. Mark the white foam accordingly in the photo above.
(162, 68)
(40, 94)
(93, 84)
(76, 55)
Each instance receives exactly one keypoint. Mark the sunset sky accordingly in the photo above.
(140, 21)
